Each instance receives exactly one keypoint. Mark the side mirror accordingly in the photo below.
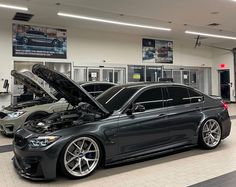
(138, 108)
(135, 108)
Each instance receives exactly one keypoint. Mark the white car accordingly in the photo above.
(46, 103)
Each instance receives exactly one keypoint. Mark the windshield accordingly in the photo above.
(116, 97)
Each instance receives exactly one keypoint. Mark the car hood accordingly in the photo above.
(70, 90)
(30, 81)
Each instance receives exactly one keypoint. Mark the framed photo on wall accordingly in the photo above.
(36, 41)
(157, 51)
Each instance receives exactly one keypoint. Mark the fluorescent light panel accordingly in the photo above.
(13, 7)
(112, 22)
(211, 35)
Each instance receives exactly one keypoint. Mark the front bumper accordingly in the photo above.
(36, 163)
(8, 125)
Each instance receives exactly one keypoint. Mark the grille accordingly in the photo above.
(20, 141)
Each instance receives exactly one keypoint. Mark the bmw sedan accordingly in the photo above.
(125, 123)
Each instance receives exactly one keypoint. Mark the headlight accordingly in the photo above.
(42, 141)
(16, 114)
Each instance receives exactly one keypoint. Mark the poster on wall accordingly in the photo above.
(36, 41)
(157, 51)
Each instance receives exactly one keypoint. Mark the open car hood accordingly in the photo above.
(31, 81)
(69, 89)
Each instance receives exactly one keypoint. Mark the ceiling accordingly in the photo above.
(179, 15)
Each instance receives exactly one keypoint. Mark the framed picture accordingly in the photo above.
(157, 51)
(36, 41)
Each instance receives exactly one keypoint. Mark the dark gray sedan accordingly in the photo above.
(125, 123)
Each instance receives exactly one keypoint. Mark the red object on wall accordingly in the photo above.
(222, 66)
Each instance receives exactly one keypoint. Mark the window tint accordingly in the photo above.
(151, 99)
(116, 97)
(178, 96)
(195, 96)
(89, 88)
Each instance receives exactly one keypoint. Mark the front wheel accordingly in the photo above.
(80, 157)
(210, 134)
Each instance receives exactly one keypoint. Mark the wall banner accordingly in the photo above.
(157, 51)
(36, 41)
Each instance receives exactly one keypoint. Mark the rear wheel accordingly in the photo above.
(210, 134)
(80, 157)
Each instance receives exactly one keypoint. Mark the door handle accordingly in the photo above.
(160, 115)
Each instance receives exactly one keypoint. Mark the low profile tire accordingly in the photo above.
(80, 157)
(210, 134)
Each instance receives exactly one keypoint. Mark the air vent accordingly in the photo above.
(213, 24)
(22, 16)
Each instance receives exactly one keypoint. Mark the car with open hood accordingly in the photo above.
(125, 123)
(13, 116)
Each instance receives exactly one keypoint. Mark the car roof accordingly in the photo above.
(95, 83)
(151, 84)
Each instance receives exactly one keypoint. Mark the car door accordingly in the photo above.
(184, 113)
(147, 129)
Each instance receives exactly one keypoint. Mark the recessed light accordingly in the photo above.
(112, 21)
(211, 35)
(13, 7)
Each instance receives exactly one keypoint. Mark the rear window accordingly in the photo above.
(195, 96)
(178, 96)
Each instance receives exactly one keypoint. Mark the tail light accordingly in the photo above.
(225, 105)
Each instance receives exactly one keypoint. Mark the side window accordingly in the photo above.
(195, 96)
(178, 96)
(151, 99)
(89, 88)
(104, 87)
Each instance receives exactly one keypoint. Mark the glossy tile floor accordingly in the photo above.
(180, 169)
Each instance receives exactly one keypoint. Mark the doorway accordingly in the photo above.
(224, 82)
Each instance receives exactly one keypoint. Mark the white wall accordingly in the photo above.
(6, 64)
(86, 47)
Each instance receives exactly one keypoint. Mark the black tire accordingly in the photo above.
(65, 157)
(37, 115)
(207, 138)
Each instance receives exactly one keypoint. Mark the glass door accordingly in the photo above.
(80, 74)
(93, 74)
(186, 77)
(177, 76)
(107, 75)
(119, 75)
(153, 73)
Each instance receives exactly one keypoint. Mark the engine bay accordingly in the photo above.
(82, 114)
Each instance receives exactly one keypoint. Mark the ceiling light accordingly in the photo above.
(14, 7)
(112, 22)
(211, 35)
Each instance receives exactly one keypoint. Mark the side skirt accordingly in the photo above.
(144, 156)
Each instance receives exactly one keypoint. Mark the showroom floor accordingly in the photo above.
(181, 169)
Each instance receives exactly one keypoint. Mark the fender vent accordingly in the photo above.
(22, 17)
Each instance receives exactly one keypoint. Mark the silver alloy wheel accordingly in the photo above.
(81, 156)
(211, 133)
